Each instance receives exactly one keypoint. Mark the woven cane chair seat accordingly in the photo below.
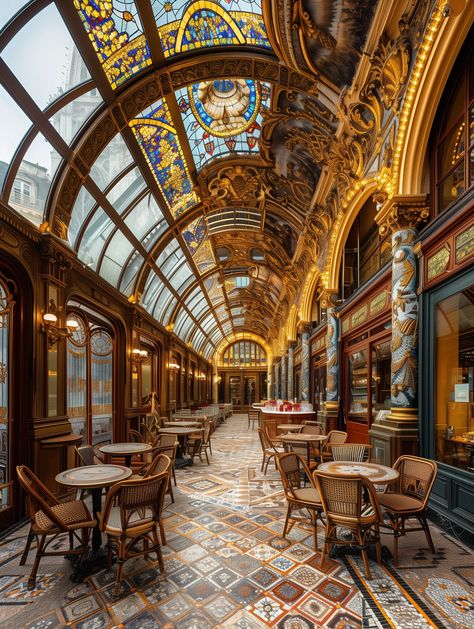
(307, 494)
(400, 502)
(113, 526)
(72, 514)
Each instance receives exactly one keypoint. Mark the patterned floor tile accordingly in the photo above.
(268, 609)
(48, 622)
(184, 577)
(306, 576)
(19, 592)
(243, 564)
(282, 563)
(207, 564)
(201, 590)
(299, 552)
(192, 554)
(294, 621)
(175, 606)
(127, 607)
(263, 552)
(221, 607)
(244, 591)
(264, 577)
(332, 591)
(196, 619)
(160, 590)
(145, 620)
(224, 577)
(314, 607)
(80, 608)
(287, 591)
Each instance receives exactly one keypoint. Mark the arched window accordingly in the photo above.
(244, 354)
(90, 379)
(453, 131)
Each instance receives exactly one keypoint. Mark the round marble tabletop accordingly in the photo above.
(303, 437)
(90, 476)
(380, 474)
(183, 424)
(290, 427)
(123, 449)
(179, 431)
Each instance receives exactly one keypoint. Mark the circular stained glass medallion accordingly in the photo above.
(226, 107)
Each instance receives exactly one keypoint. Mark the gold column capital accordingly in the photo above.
(329, 297)
(402, 212)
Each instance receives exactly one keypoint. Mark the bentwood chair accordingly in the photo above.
(294, 473)
(269, 450)
(160, 464)
(50, 518)
(87, 455)
(409, 499)
(132, 513)
(135, 436)
(333, 437)
(253, 418)
(201, 444)
(168, 444)
(148, 435)
(355, 452)
(349, 502)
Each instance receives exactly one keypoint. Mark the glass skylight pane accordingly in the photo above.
(68, 120)
(95, 237)
(40, 56)
(14, 127)
(184, 26)
(178, 279)
(130, 274)
(223, 117)
(111, 162)
(144, 216)
(8, 10)
(116, 33)
(82, 207)
(198, 340)
(165, 309)
(152, 287)
(126, 190)
(150, 239)
(33, 179)
(208, 323)
(117, 252)
(184, 324)
(216, 335)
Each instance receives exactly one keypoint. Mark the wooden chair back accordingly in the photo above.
(356, 452)
(417, 476)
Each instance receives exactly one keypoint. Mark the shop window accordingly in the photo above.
(22, 192)
(453, 131)
(5, 377)
(454, 379)
(365, 251)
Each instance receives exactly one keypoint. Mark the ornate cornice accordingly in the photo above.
(402, 212)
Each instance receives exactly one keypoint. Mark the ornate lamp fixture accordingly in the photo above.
(138, 355)
(51, 324)
(174, 367)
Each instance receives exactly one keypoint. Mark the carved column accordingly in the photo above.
(276, 381)
(291, 348)
(329, 300)
(284, 384)
(305, 358)
(402, 216)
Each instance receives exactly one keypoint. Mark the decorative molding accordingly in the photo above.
(402, 213)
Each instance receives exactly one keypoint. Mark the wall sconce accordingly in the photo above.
(202, 376)
(138, 355)
(174, 367)
(51, 326)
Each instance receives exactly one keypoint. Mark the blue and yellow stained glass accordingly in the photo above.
(184, 25)
(159, 142)
(222, 117)
(197, 241)
(115, 31)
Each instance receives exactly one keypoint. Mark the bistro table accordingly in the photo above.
(182, 424)
(378, 474)
(127, 450)
(290, 427)
(182, 434)
(304, 439)
(93, 477)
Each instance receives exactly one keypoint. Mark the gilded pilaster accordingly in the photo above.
(305, 357)
(291, 348)
(284, 383)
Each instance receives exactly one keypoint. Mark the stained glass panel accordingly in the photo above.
(198, 243)
(159, 142)
(223, 117)
(185, 25)
(116, 33)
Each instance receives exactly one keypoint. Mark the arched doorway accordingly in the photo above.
(242, 375)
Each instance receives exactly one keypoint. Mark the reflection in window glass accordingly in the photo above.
(130, 273)
(35, 173)
(8, 10)
(94, 239)
(68, 120)
(152, 287)
(181, 278)
(117, 252)
(39, 54)
(111, 162)
(126, 190)
(144, 216)
(83, 205)
(454, 373)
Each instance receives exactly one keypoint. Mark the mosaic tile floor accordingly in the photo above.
(228, 566)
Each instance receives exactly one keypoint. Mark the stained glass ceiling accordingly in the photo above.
(138, 219)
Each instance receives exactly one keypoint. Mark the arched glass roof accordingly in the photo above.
(134, 130)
